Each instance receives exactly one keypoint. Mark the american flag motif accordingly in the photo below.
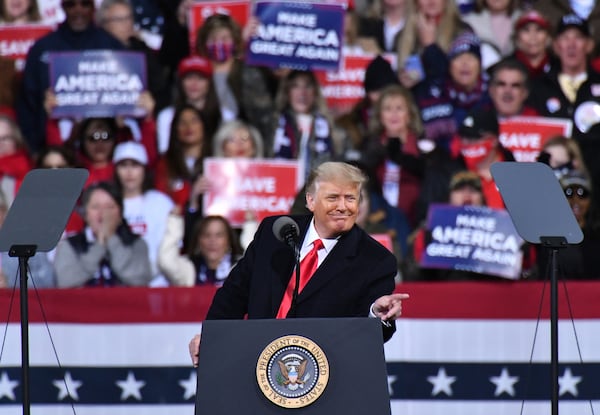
(461, 348)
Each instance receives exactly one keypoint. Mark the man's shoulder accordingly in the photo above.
(370, 243)
(58, 39)
(46, 40)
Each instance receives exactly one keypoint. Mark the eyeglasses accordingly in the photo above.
(99, 136)
(580, 192)
(69, 4)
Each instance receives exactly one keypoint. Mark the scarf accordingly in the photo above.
(534, 71)
(466, 99)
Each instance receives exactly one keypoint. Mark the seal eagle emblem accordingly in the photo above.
(292, 371)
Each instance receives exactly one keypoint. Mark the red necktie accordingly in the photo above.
(308, 266)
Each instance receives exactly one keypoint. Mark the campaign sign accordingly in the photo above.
(16, 40)
(384, 239)
(239, 10)
(344, 88)
(249, 186)
(297, 35)
(525, 136)
(476, 239)
(97, 83)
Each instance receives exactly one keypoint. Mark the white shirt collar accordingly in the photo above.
(311, 236)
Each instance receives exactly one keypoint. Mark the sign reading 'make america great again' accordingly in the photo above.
(97, 83)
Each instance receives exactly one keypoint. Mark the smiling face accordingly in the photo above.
(334, 205)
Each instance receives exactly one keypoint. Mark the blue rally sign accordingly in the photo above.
(305, 36)
(97, 83)
(476, 239)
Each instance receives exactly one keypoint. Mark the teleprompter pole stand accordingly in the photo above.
(538, 207)
(34, 223)
(554, 244)
(24, 252)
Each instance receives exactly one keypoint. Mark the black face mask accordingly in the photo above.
(563, 169)
(559, 171)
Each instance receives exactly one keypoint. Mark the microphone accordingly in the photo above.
(286, 230)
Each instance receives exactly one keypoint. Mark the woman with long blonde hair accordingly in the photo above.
(434, 21)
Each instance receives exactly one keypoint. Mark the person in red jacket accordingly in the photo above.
(179, 170)
(14, 158)
(93, 141)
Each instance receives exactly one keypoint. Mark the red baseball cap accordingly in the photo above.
(196, 64)
(532, 16)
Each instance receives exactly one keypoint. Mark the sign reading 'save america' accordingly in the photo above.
(248, 186)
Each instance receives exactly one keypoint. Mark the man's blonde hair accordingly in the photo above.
(335, 171)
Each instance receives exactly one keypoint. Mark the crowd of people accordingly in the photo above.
(440, 82)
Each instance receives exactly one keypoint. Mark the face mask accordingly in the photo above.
(219, 51)
(475, 153)
(560, 171)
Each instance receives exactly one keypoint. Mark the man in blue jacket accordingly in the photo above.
(77, 32)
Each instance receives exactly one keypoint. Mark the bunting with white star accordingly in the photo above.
(443, 359)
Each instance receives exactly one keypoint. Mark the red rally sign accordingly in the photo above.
(242, 187)
(239, 10)
(16, 40)
(344, 88)
(525, 136)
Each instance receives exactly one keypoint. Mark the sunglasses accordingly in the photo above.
(99, 136)
(580, 192)
(69, 4)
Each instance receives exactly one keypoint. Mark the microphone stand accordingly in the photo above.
(292, 312)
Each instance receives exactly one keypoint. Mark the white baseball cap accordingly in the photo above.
(130, 150)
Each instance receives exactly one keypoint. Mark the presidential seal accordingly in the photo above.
(292, 371)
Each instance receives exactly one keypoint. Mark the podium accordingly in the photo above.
(301, 366)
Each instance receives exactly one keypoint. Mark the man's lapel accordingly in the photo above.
(334, 265)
